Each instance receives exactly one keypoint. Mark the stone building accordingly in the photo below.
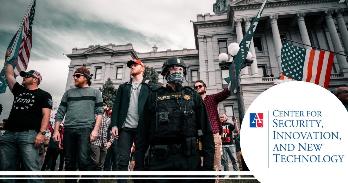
(317, 23)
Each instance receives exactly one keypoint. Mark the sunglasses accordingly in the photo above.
(28, 76)
(198, 86)
(77, 75)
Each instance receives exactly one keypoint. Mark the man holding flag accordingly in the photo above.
(28, 120)
(26, 126)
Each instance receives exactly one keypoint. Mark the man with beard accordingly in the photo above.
(175, 120)
(82, 108)
(211, 103)
(127, 112)
(26, 126)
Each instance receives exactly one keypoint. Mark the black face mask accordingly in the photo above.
(176, 77)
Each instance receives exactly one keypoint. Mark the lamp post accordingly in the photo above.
(226, 61)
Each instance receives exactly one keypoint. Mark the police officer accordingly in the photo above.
(175, 120)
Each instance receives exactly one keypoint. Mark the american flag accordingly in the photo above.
(18, 51)
(308, 65)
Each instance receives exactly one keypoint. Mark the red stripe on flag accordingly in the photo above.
(29, 41)
(26, 49)
(328, 70)
(319, 66)
(310, 65)
(18, 68)
(22, 60)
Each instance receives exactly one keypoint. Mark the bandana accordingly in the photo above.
(176, 77)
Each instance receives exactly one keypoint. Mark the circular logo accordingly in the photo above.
(296, 132)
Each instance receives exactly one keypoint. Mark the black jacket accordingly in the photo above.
(121, 103)
(145, 137)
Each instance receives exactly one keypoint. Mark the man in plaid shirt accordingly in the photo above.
(101, 144)
(211, 103)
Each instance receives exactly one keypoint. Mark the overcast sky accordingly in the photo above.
(60, 25)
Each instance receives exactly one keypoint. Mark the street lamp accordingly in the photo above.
(226, 61)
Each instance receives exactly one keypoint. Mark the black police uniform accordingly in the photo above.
(174, 122)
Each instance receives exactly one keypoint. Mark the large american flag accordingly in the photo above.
(308, 65)
(18, 51)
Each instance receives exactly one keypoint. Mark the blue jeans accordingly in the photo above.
(77, 149)
(19, 147)
(229, 152)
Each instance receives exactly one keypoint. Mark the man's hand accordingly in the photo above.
(39, 139)
(114, 131)
(93, 135)
(131, 165)
(108, 145)
(56, 136)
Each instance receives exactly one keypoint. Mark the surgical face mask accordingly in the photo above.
(176, 77)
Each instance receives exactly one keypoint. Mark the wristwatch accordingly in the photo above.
(43, 132)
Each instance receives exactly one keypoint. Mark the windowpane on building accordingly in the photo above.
(262, 70)
(194, 75)
(283, 36)
(258, 44)
(119, 72)
(224, 74)
(98, 73)
(229, 111)
(222, 46)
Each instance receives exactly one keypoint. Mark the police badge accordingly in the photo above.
(187, 97)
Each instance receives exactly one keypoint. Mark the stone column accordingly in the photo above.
(254, 70)
(342, 62)
(276, 38)
(303, 29)
(211, 66)
(343, 29)
(202, 57)
(239, 33)
(70, 77)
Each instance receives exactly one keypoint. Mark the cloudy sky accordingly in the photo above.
(61, 25)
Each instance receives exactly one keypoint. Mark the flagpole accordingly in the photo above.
(284, 39)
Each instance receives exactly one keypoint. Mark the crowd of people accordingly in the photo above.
(149, 127)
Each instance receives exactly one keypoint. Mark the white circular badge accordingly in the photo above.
(296, 132)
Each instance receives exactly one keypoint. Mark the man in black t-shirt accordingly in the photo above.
(228, 143)
(27, 123)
